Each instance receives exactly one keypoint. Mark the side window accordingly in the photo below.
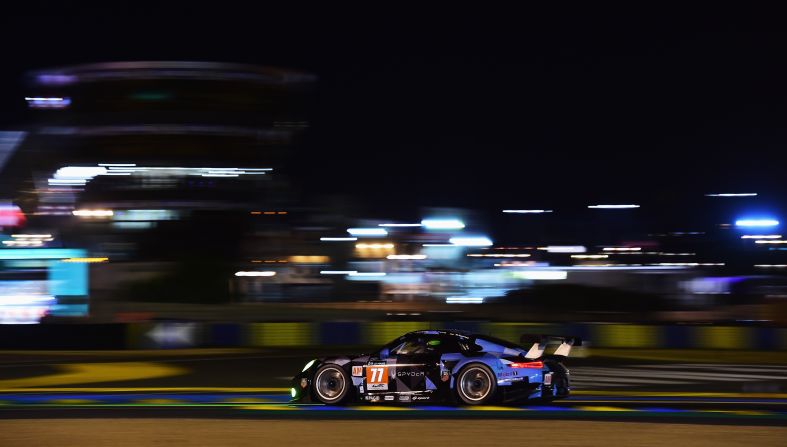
(447, 345)
(410, 346)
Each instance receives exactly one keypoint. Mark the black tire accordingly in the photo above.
(476, 384)
(560, 378)
(331, 384)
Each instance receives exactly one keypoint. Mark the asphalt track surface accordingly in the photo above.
(614, 393)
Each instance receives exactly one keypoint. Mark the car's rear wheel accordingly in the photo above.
(476, 384)
(331, 384)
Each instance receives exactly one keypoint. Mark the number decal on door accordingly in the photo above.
(376, 377)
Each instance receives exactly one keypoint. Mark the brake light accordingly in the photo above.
(530, 365)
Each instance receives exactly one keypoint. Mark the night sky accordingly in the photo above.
(490, 111)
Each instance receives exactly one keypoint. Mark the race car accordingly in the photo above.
(445, 366)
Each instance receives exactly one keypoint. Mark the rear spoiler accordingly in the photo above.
(539, 342)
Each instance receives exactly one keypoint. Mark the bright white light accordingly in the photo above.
(438, 245)
(770, 241)
(589, 256)
(32, 236)
(756, 223)
(367, 231)
(537, 275)
(338, 239)
(564, 248)
(464, 300)
(613, 207)
(761, 236)
(255, 273)
(527, 211)
(399, 225)
(622, 249)
(338, 272)
(443, 224)
(776, 266)
(465, 241)
(730, 194)
(367, 274)
(93, 213)
(406, 257)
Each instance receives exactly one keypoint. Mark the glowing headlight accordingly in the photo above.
(308, 365)
(293, 393)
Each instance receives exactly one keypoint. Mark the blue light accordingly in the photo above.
(756, 223)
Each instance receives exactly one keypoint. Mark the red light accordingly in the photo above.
(531, 365)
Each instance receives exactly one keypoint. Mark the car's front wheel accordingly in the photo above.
(476, 384)
(331, 384)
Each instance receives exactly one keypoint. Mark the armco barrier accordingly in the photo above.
(158, 335)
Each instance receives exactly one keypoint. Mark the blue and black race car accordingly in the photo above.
(443, 366)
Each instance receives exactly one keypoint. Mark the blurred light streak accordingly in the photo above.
(590, 256)
(438, 245)
(622, 249)
(255, 273)
(367, 231)
(338, 239)
(527, 211)
(442, 224)
(522, 255)
(564, 248)
(337, 272)
(468, 241)
(24, 243)
(464, 300)
(314, 259)
(367, 274)
(93, 213)
(770, 241)
(738, 194)
(41, 102)
(761, 236)
(777, 266)
(613, 207)
(538, 275)
(86, 260)
(399, 225)
(690, 264)
(363, 245)
(406, 257)
(756, 223)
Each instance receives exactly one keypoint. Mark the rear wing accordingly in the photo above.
(538, 344)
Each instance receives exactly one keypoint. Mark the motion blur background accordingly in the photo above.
(310, 183)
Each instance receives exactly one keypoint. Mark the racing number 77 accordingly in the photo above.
(377, 374)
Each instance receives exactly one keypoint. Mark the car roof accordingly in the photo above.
(449, 332)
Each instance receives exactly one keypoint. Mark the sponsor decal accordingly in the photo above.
(508, 374)
(360, 389)
(548, 379)
(372, 398)
(389, 397)
(409, 373)
(444, 376)
(357, 371)
(421, 397)
(376, 377)
(404, 398)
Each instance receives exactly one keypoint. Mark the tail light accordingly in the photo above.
(529, 365)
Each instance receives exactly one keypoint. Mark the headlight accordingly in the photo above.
(293, 392)
(308, 365)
